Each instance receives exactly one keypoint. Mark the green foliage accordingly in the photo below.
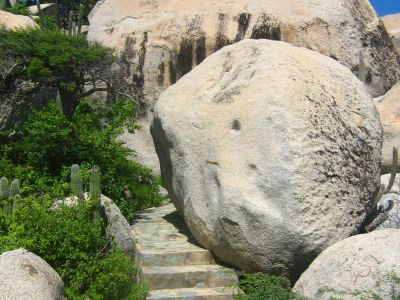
(54, 59)
(261, 286)
(65, 237)
(48, 144)
(19, 9)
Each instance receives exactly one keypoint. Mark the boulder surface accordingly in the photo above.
(11, 21)
(392, 24)
(389, 111)
(25, 276)
(358, 267)
(265, 149)
(160, 41)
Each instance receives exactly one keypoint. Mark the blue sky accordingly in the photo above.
(386, 7)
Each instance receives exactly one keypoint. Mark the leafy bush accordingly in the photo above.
(19, 9)
(43, 149)
(261, 286)
(89, 264)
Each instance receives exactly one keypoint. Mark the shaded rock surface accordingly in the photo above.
(355, 268)
(391, 199)
(262, 147)
(389, 111)
(25, 276)
(392, 24)
(160, 41)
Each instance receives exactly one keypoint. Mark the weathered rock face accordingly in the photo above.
(392, 24)
(355, 268)
(12, 21)
(389, 111)
(24, 275)
(160, 41)
(262, 147)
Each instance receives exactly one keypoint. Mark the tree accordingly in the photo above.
(53, 59)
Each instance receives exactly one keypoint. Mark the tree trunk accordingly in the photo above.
(69, 102)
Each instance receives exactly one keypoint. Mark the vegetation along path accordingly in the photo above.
(170, 262)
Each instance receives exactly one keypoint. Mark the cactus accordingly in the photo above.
(59, 103)
(4, 188)
(40, 12)
(15, 187)
(74, 28)
(94, 180)
(76, 181)
(3, 4)
(70, 21)
(80, 18)
(362, 68)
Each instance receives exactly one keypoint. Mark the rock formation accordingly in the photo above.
(391, 200)
(389, 111)
(24, 275)
(358, 267)
(12, 21)
(392, 24)
(160, 41)
(264, 147)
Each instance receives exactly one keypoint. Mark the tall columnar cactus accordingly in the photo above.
(70, 21)
(4, 188)
(40, 12)
(80, 18)
(76, 181)
(94, 180)
(3, 5)
(15, 187)
(362, 68)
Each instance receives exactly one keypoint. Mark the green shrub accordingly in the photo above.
(261, 286)
(48, 144)
(19, 9)
(89, 264)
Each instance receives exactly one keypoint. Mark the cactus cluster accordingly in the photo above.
(94, 190)
(73, 28)
(9, 194)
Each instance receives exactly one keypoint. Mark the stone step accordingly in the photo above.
(219, 293)
(175, 277)
(174, 258)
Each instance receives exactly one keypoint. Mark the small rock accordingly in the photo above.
(26, 276)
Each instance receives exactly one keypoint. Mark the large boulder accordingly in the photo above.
(270, 152)
(389, 111)
(25, 276)
(392, 24)
(12, 21)
(360, 267)
(160, 41)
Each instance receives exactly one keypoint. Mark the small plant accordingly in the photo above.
(261, 286)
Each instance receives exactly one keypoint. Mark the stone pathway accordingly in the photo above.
(172, 264)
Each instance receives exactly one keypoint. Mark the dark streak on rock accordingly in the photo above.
(185, 57)
(243, 24)
(266, 28)
(200, 49)
(221, 39)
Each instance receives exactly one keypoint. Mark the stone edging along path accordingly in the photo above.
(172, 264)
